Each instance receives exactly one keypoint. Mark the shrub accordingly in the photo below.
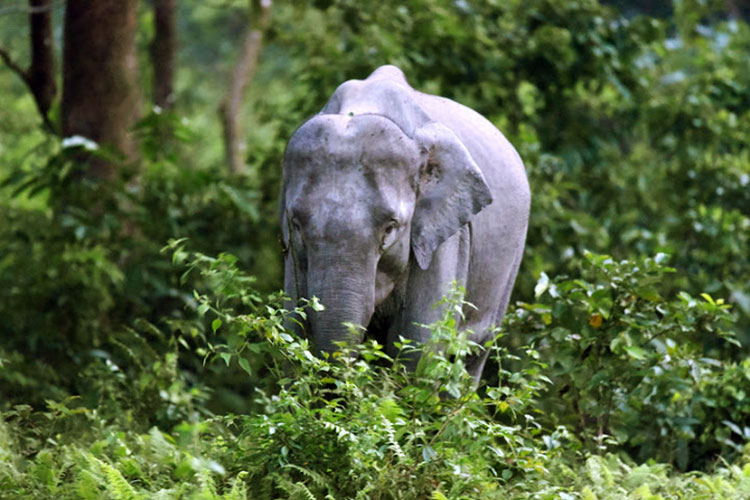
(629, 366)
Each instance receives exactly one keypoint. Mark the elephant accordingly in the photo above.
(388, 196)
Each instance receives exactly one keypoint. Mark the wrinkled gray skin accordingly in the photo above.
(388, 195)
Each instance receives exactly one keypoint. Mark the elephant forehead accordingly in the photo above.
(335, 217)
(343, 162)
(349, 141)
(348, 195)
(354, 193)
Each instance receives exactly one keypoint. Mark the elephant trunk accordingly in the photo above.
(347, 298)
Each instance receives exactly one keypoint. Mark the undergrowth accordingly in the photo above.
(359, 424)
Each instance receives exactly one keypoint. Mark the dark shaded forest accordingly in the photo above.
(143, 352)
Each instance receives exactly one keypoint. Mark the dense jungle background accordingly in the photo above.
(142, 353)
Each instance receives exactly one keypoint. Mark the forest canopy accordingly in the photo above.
(142, 346)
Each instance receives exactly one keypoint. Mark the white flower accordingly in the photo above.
(79, 140)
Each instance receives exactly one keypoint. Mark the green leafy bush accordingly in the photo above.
(359, 425)
(628, 364)
(355, 427)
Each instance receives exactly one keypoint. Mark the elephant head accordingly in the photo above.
(362, 202)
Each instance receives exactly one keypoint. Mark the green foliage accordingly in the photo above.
(629, 364)
(661, 180)
(122, 465)
(364, 427)
(120, 372)
(360, 425)
(77, 279)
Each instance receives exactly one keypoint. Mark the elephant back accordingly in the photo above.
(385, 92)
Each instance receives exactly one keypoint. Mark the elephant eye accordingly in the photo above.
(389, 234)
(293, 222)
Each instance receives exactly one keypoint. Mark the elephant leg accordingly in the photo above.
(475, 365)
(424, 289)
(508, 289)
(481, 324)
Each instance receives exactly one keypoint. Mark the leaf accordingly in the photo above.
(601, 300)
(648, 293)
(215, 324)
(733, 427)
(246, 201)
(635, 352)
(315, 304)
(708, 299)
(662, 258)
(245, 365)
(615, 343)
(542, 285)
(643, 491)
(687, 299)
(428, 454)
(203, 309)
(741, 299)
(226, 357)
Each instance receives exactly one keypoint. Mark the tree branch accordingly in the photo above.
(17, 69)
(24, 75)
(241, 76)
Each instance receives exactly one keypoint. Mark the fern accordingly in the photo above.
(393, 444)
(130, 468)
(364, 493)
(116, 483)
(318, 479)
(239, 489)
(8, 453)
(133, 347)
(148, 327)
(161, 449)
(208, 488)
(169, 494)
(341, 433)
(44, 471)
(295, 491)
(88, 486)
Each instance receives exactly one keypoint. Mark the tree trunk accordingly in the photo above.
(241, 75)
(100, 94)
(163, 50)
(42, 70)
(40, 76)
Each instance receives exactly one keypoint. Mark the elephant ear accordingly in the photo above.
(451, 190)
